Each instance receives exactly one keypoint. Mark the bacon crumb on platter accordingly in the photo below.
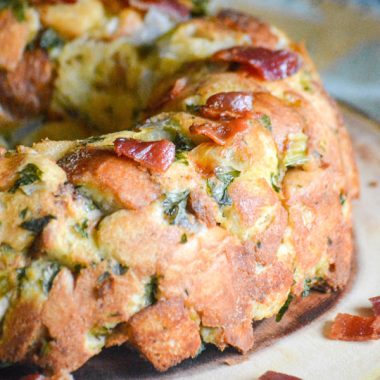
(357, 328)
(271, 375)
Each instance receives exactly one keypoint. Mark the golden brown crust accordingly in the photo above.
(21, 330)
(129, 186)
(26, 91)
(221, 236)
(13, 39)
(165, 334)
(260, 32)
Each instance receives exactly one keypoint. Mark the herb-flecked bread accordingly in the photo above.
(227, 195)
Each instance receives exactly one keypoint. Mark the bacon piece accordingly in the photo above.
(227, 105)
(376, 305)
(354, 328)
(173, 7)
(220, 132)
(271, 375)
(154, 155)
(267, 64)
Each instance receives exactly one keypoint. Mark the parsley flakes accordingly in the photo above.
(29, 174)
(217, 188)
(18, 7)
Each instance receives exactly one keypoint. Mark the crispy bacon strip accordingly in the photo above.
(354, 328)
(220, 132)
(154, 155)
(264, 63)
(227, 105)
(376, 305)
(173, 7)
(271, 375)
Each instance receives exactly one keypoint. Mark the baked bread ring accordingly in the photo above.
(228, 198)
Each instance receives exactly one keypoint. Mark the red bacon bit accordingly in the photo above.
(173, 7)
(376, 305)
(354, 328)
(154, 155)
(227, 105)
(271, 375)
(220, 132)
(266, 64)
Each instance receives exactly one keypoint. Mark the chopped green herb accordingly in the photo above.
(92, 140)
(18, 7)
(193, 108)
(306, 81)
(175, 206)
(200, 8)
(284, 308)
(306, 287)
(21, 274)
(151, 289)
(48, 275)
(296, 153)
(218, 188)
(23, 213)
(36, 225)
(183, 239)
(119, 269)
(45, 348)
(81, 228)
(266, 122)
(342, 199)
(28, 175)
(329, 241)
(103, 277)
(258, 244)
(5, 248)
(50, 39)
(182, 143)
(182, 158)
(274, 180)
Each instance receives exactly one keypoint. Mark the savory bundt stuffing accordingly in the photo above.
(223, 191)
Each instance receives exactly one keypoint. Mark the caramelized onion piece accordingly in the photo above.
(376, 305)
(265, 63)
(220, 132)
(154, 155)
(227, 105)
(271, 375)
(174, 7)
(354, 328)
